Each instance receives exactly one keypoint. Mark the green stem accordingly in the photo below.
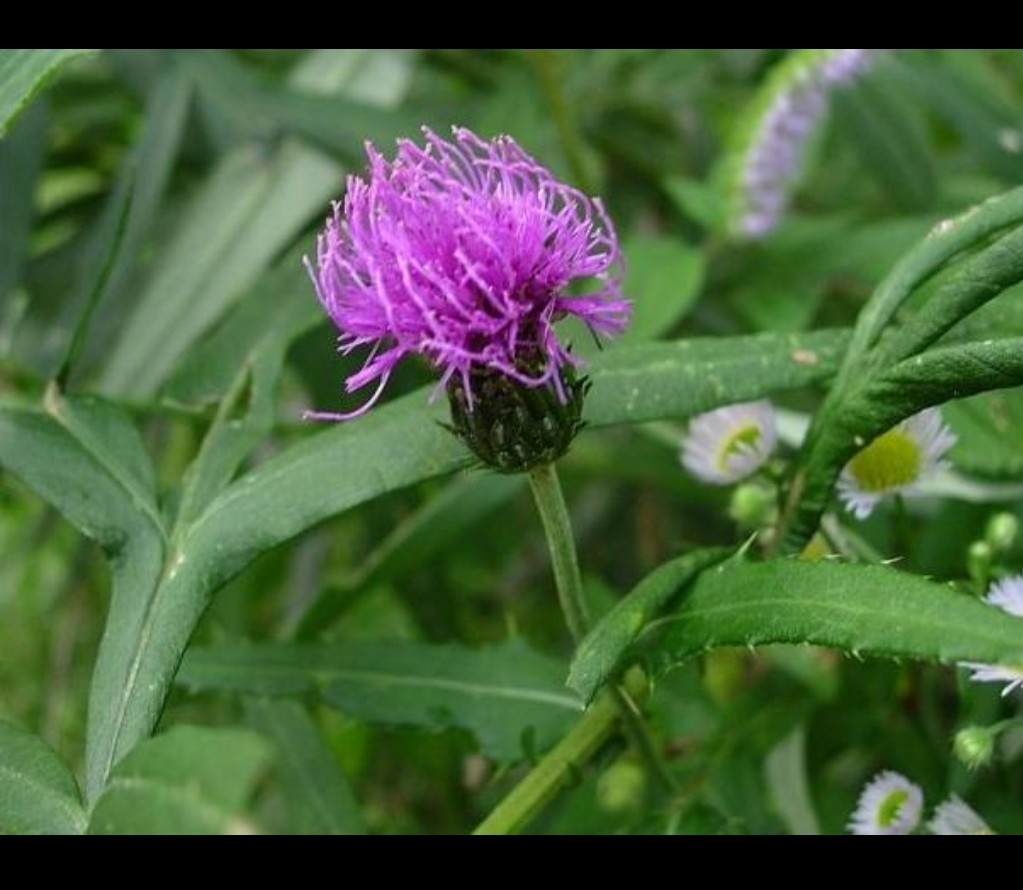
(558, 768)
(557, 526)
(550, 503)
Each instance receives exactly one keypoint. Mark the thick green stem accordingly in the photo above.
(559, 768)
(554, 514)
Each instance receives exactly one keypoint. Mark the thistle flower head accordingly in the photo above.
(888, 804)
(728, 444)
(1006, 594)
(955, 816)
(895, 462)
(795, 102)
(463, 251)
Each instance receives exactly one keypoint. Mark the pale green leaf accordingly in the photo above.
(509, 697)
(24, 72)
(190, 780)
(786, 779)
(38, 794)
(319, 795)
(862, 609)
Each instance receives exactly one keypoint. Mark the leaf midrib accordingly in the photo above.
(704, 611)
(324, 676)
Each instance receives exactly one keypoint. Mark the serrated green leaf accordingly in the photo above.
(497, 693)
(392, 447)
(24, 72)
(603, 649)
(659, 381)
(38, 794)
(320, 798)
(862, 609)
(663, 281)
(868, 395)
(190, 780)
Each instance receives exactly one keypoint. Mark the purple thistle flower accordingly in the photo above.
(775, 155)
(462, 251)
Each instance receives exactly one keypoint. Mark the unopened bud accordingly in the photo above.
(974, 746)
(1001, 532)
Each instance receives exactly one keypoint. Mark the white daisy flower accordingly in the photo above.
(1006, 594)
(955, 816)
(888, 804)
(895, 462)
(728, 444)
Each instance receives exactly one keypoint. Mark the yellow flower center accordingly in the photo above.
(888, 812)
(889, 461)
(739, 440)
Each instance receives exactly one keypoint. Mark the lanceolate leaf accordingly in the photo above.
(190, 780)
(161, 591)
(862, 609)
(38, 795)
(507, 695)
(656, 381)
(320, 798)
(21, 157)
(23, 72)
(604, 648)
(251, 208)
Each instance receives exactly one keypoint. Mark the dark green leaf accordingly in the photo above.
(657, 381)
(241, 365)
(21, 158)
(87, 459)
(38, 794)
(190, 780)
(320, 798)
(862, 609)
(602, 651)
(24, 72)
(109, 254)
(498, 693)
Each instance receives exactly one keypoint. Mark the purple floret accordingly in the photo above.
(463, 252)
